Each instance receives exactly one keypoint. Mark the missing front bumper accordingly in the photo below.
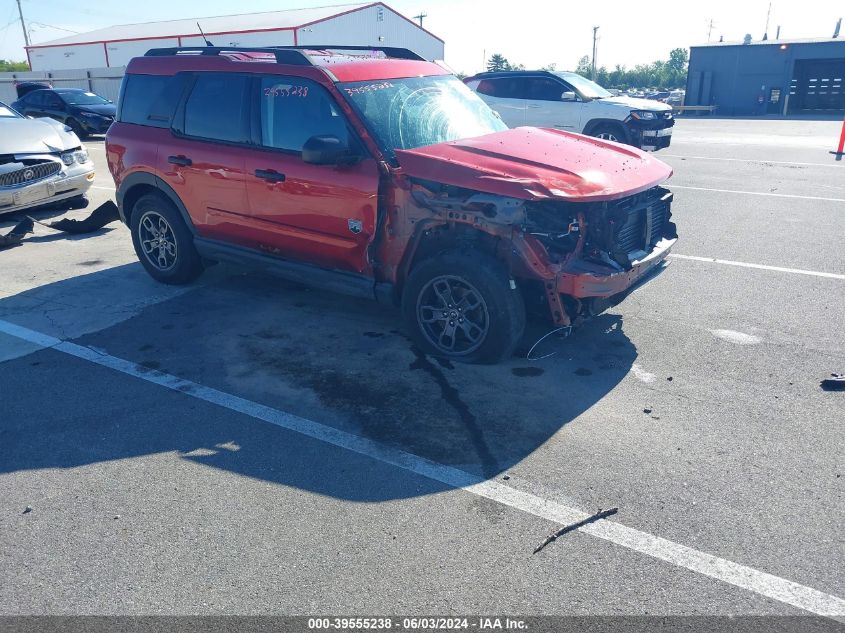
(579, 292)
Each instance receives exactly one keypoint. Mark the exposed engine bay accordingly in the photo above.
(614, 233)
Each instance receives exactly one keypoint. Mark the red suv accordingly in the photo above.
(378, 174)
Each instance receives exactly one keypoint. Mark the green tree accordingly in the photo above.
(10, 67)
(584, 67)
(498, 62)
(678, 59)
(671, 73)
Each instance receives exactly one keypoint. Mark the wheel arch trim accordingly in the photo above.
(145, 178)
(592, 124)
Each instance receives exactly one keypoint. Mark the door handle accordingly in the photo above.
(270, 175)
(180, 160)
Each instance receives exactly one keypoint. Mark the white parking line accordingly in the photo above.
(101, 188)
(727, 571)
(754, 160)
(728, 262)
(755, 193)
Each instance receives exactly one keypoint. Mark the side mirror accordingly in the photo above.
(569, 96)
(325, 150)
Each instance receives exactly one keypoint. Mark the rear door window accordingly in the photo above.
(293, 110)
(217, 107)
(501, 87)
(543, 89)
(35, 98)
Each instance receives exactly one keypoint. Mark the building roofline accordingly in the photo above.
(356, 7)
(772, 42)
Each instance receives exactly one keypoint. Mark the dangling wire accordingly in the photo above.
(568, 329)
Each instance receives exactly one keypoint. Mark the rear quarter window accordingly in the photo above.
(150, 99)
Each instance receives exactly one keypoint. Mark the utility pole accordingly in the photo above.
(710, 29)
(23, 24)
(416, 17)
(595, 30)
(768, 15)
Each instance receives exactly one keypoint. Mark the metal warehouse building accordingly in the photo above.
(769, 76)
(354, 24)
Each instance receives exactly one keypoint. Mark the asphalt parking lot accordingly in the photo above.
(246, 445)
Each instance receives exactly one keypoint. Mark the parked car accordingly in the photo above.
(41, 162)
(658, 95)
(676, 98)
(568, 101)
(384, 178)
(82, 111)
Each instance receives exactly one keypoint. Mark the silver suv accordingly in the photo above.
(568, 101)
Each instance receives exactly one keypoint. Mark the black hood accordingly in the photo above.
(105, 109)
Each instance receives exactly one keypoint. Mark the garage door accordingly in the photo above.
(818, 86)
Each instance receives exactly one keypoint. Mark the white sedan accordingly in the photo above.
(41, 162)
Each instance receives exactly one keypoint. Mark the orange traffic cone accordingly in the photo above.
(839, 151)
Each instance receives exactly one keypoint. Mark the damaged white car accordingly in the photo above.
(41, 162)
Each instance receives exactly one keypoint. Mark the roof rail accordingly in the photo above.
(293, 57)
(389, 51)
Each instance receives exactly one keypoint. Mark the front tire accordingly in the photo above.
(462, 307)
(77, 128)
(163, 243)
(610, 132)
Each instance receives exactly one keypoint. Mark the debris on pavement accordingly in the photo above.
(16, 235)
(836, 382)
(647, 410)
(102, 215)
(27, 510)
(601, 514)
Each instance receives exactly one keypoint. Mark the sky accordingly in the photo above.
(530, 32)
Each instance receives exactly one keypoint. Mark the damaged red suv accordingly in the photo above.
(378, 174)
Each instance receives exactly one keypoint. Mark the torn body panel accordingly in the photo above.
(582, 257)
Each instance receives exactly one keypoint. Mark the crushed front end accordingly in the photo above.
(598, 252)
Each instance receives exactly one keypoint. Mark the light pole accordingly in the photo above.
(23, 25)
(595, 30)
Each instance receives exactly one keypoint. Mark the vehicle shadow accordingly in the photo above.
(343, 363)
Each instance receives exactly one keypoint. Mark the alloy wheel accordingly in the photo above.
(453, 315)
(158, 242)
(608, 136)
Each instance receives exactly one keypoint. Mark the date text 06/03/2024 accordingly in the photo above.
(416, 623)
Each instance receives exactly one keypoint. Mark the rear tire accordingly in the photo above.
(163, 243)
(461, 306)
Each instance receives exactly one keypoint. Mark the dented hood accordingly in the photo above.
(35, 136)
(537, 163)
